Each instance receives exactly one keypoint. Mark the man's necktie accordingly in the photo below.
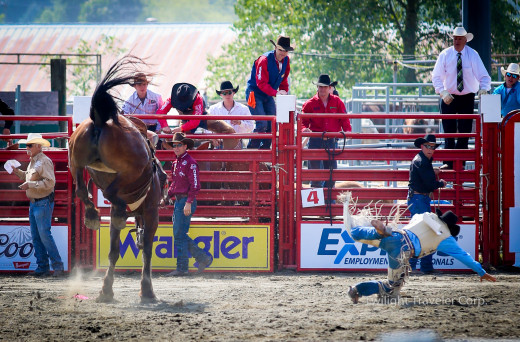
(460, 85)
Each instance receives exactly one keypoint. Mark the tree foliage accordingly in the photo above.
(353, 41)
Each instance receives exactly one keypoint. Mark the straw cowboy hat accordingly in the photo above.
(227, 85)
(461, 32)
(35, 138)
(180, 138)
(513, 68)
(183, 96)
(451, 221)
(140, 78)
(430, 138)
(283, 43)
(324, 80)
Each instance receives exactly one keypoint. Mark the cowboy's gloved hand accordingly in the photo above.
(482, 92)
(446, 97)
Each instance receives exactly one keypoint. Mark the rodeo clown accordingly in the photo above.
(425, 234)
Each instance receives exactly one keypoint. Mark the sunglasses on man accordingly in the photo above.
(430, 147)
(29, 145)
(176, 145)
(226, 92)
(511, 75)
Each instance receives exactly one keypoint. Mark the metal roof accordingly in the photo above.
(178, 52)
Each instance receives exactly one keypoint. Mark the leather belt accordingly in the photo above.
(49, 196)
(179, 196)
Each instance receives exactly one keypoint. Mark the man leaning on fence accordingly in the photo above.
(39, 181)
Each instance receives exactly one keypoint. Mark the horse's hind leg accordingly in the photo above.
(106, 294)
(150, 222)
(91, 213)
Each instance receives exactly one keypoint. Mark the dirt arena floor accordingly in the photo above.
(284, 306)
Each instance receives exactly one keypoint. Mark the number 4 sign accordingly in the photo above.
(313, 197)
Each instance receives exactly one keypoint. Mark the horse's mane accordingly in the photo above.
(103, 106)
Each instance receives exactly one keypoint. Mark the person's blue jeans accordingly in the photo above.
(265, 105)
(40, 218)
(183, 243)
(319, 143)
(393, 245)
(420, 204)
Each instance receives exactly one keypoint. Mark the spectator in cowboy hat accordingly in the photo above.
(184, 189)
(228, 106)
(187, 100)
(268, 78)
(457, 76)
(323, 102)
(39, 181)
(6, 110)
(424, 235)
(509, 91)
(423, 181)
(145, 101)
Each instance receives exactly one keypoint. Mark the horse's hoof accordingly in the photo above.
(118, 223)
(149, 300)
(92, 224)
(104, 298)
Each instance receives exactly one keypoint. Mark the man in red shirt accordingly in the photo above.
(324, 102)
(184, 189)
(186, 99)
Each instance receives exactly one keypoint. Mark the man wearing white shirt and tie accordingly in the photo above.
(458, 75)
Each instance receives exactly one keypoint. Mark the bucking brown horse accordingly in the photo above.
(121, 163)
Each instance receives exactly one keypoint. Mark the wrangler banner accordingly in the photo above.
(233, 247)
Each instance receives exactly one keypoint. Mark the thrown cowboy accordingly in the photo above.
(187, 100)
(39, 181)
(423, 181)
(184, 188)
(269, 78)
(145, 101)
(509, 91)
(425, 234)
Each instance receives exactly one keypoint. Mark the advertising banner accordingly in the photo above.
(326, 247)
(233, 247)
(17, 250)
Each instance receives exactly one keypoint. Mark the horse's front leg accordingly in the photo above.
(150, 223)
(91, 213)
(118, 214)
(106, 294)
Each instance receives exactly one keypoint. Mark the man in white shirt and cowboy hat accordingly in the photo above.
(509, 91)
(39, 181)
(458, 75)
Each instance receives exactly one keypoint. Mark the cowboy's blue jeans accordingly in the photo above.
(391, 244)
(319, 143)
(265, 105)
(420, 204)
(40, 218)
(184, 245)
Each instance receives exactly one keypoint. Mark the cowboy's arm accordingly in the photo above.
(19, 173)
(450, 247)
(480, 72)
(162, 122)
(438, 73)
(345, 123)
(262, 77)
(192, 173)
(285, 83)
(47, 177)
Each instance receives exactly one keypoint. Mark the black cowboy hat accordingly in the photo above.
(451, 221)
(334, 84)
(140, 78)
(180, 137)
(324, 80)
(183, 96)
(227, 85)
(429, 138)
(283, 43)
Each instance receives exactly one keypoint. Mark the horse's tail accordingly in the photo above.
(103, 106)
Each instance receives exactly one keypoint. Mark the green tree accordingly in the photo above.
(62, 11)
(127, 11)
(353, 41)
(191, 10)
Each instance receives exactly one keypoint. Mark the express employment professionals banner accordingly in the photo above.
(323, 246)
(17, 250)
(233, 247)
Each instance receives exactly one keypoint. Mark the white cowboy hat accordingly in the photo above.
(461, 32)
(513, 68)
(35, 138)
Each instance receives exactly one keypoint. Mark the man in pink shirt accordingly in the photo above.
(187, 100)
(324, 102)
